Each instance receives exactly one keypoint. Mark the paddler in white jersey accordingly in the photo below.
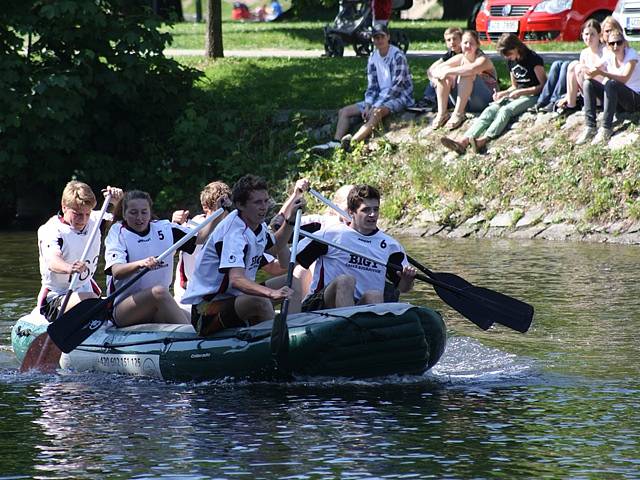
(61, 241)
(341, 279)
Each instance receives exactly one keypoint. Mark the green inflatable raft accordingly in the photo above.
(356, 342)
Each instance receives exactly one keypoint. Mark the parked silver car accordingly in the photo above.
(627, 12)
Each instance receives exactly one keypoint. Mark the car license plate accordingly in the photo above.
(633, 23)
(502, 26)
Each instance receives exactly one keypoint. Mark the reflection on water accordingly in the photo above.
(558, 402)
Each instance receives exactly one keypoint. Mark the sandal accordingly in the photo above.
(451, 144)
(474, 145)
(455, 121)
(440, 120)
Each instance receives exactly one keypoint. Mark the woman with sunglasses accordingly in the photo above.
(621, 89)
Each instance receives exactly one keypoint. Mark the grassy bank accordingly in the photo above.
(308, 35)
(535, 164)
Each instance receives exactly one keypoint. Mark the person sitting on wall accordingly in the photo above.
(389, 90)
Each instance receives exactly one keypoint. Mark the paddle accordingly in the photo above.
(451, 288)
(516, 314)
(280, 331)
(43, 354)
(72, 328)
(465, 298)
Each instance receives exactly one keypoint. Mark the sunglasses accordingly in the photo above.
(616, 42)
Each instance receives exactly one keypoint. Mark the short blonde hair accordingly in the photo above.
(453, 31)
(78, 194)
(212, 192)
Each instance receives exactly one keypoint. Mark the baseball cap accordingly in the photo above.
(379, 29)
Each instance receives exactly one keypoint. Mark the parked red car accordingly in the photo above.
(539, 20)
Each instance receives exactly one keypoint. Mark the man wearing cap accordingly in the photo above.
(389, 90)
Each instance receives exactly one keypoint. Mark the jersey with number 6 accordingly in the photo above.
(332, 262)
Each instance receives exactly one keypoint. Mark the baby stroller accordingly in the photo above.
(352, 26)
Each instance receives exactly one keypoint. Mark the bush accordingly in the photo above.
(86, 93)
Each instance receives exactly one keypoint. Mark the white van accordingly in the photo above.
(627, 12)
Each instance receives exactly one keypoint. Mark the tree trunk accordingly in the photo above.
(214, 30)
(198, 11)
(457, 8)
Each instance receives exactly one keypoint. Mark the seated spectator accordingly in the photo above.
(452, 39)
(591, 56)
(527, 78)
(554, 88)
(470, 77)
(275, 10)
(389, 90)
(240, 11)
(621, 89)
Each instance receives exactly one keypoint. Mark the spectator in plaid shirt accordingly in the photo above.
(389, 90)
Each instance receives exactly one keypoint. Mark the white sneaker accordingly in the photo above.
(324, 147)
(603, 136)
(586, 135)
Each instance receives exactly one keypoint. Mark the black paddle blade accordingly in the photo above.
(76, 325)
(467, 307)
(280, 334)
(501, 308)
(510, 312)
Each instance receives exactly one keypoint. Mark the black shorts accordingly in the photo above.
(51, 307)
(209, 317)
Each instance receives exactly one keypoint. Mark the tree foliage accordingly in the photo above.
(84, 91)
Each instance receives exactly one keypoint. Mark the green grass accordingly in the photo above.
(297, 83)
(308, 35)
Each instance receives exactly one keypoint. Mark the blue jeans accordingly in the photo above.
(556, 85)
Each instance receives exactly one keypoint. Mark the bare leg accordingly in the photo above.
(443, 89)
(77, 297)
(339, 293)
(375, 117)
(371, 296)
(153, 305)
(305, 276)
(344, 116)
(465, 88)
(572, 85)
(295, 301)
(254, 309)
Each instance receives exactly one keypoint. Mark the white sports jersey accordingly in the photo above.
(231, 245)
(57, 236)
(332, 262)
(123, 245)
(186, 264)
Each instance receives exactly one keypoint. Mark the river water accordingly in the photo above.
(561, 401)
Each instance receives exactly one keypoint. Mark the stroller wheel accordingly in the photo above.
(333, 45)
(400, 40)
(363, 49)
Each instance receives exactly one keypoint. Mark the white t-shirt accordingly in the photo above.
(629, 55)
(186, 264)
(124, 245)
(332, 262)
(57, 236)
(382, 69)
(231, 245)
